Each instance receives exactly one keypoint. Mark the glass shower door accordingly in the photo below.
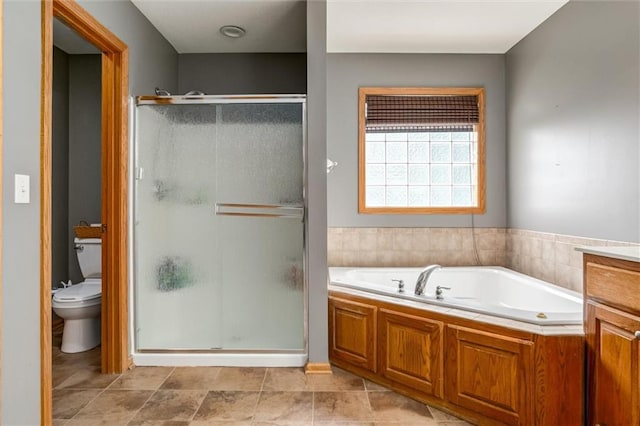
(260, 214)
(219, 227)
(176, 290)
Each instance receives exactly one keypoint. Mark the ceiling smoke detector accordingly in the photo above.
(232, 31)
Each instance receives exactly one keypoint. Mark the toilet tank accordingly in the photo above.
(89, 252)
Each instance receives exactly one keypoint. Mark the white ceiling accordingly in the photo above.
(192, 26)
(391, 26)
(433, 26)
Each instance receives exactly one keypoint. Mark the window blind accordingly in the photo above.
(421, 113)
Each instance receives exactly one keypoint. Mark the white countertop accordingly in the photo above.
(623, 253)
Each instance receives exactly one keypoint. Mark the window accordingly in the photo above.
(421, 150)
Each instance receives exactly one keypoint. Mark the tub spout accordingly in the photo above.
(421, 282)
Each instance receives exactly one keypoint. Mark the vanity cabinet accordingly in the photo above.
(410, 350)
(352, 333)
(490, 373)
(612, 318)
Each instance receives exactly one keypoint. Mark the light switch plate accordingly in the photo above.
(22, 189)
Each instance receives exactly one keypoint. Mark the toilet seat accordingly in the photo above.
(86, 293)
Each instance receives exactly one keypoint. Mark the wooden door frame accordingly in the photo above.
(115, 89)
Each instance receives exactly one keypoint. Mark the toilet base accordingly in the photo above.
(79, 335)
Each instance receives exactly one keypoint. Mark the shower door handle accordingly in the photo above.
(260, 210)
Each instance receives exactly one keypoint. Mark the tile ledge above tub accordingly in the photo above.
(631, 253)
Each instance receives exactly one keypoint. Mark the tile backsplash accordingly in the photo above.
(416, 246)
(550, 257)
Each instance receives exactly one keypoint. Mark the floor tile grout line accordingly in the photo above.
(255, 409)
(264, 379)
(87, 404)
(166, 378)
(141, 407)
(366, 392)
(114, 380)
(206, 393)
(313, 407)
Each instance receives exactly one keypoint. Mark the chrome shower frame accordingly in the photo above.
(220, 357)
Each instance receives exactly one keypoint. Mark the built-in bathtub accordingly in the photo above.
(500, 347)
(491, 290)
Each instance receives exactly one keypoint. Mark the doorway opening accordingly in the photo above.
(114, 190)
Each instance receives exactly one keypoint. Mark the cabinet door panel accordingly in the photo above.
(614, 355)
(489, 374)
(411, 351)
(352, 333)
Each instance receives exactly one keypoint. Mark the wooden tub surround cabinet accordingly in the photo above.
(612, 326)
(485, 373)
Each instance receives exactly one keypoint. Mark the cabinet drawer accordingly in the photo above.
(613, 285)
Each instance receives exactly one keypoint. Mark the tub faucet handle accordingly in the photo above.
(439, 291)
(400, 285)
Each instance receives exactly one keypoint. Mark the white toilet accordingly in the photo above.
(80, 304)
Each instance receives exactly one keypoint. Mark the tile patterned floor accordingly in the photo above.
(198, 396)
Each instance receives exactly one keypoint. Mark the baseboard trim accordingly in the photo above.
(318, 368)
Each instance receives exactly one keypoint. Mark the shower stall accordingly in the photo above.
(218, 231)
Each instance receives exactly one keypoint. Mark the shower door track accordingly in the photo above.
(221, 99)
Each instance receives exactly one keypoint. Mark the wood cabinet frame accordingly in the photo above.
(490, 373)
(417, 358)
(550, 380)
(612, 316)
(356, 322)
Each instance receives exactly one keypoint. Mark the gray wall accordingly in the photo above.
(573, 114)
(242, 73)
(76, 151)
(317, 180)
(21, 222)
(60, 166)
(85, 148)
(153, 63)
(347, 72)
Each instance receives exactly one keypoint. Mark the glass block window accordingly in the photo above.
(421, 152)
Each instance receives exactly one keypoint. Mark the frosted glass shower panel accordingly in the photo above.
(177, 288)
(263, 276)
(260, 153)
(260, 162)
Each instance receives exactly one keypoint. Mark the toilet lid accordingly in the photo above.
(79, 292)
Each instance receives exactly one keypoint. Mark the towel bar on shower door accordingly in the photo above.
(260, 210)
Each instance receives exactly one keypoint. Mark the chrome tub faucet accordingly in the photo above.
(421, 282)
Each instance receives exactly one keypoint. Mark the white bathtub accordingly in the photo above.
(489, 290)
